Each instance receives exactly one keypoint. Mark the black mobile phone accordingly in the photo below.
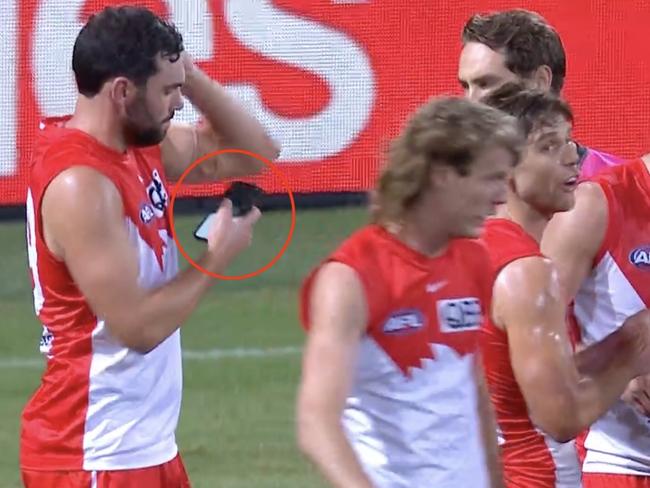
(244, 196)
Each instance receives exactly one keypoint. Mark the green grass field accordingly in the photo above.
(237, 422)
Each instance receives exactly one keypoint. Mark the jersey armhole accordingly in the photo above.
(155, 153)
(305, 293)
(612, 228)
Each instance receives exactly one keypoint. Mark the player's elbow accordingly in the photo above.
(562, 425)
(311, 426)
(559, 432)
(270, 149)
(305, 439)
(132, 337)
(306, 431)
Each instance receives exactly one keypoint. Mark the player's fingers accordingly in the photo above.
(644, 383)
(253, 216)
(644, 397)
(225, 208)
(642, 404)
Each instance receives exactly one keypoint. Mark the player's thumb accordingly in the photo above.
(225, 208)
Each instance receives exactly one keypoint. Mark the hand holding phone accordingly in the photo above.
(244, 196)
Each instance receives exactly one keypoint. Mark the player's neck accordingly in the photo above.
(529, 218)
(95, 117)
(422, 233)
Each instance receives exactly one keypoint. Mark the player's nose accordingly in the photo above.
(473, 93)
(177, 102)
(570, 154)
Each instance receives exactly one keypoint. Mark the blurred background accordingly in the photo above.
(333, 81)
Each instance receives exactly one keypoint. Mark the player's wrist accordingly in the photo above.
(199, 87)
(215, 260)
(636, 346)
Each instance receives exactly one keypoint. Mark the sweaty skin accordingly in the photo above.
(564, 241)
(529, 305)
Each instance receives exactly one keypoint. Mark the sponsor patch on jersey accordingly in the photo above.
(45, 345)
(404, 322)
(146, 213)
(640, 257)
(459, 314)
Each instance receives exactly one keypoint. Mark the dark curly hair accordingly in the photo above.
(122, 41)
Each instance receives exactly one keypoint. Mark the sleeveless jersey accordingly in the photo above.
(618, 287)
(100, 406)
(530, 458)
(411, 415)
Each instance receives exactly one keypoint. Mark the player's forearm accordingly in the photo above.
(160, 312)
(603, 382)
(584, 397)
(584, 400)
(596, 358)
(325, 444)
(236, 127)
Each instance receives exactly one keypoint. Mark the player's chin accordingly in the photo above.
(565, 202)
(472, 230)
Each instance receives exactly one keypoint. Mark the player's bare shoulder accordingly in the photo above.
(526, 275)
(77, 198)
(524, 286)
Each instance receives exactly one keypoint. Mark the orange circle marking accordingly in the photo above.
(274, 169)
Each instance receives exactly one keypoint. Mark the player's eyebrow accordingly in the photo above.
(173, 85)
(485, 79)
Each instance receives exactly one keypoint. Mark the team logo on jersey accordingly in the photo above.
(640, 257)
(459, 314)
(404, 321)
(157, 194)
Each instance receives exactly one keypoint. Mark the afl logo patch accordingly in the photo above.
(403, 322)
(640, 257)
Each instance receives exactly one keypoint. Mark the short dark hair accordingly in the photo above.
(533, 108)
(122, 41)
(525, 38)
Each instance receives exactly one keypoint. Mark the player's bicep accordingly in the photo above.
(530, 308)
(83, 215)
(337, 320)
(572, 239)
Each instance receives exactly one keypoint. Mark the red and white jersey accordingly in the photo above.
(100, 405)
(618, 287)
(530, 457)
(411, 415)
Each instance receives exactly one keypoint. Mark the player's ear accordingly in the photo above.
(542, 78)
(122, 90)
(439, 175)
